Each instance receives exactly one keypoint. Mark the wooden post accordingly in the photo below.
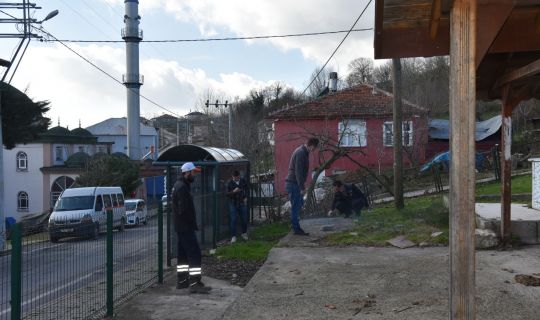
(462, 165)
(398, 134)
(508, 104)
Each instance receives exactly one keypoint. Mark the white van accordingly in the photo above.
(83, 212)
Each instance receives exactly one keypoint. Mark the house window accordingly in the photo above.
(352, 133)
(22, 201)
(100, 149)
(388, 133)
(407, 133)
(59, 154)
(22, 161)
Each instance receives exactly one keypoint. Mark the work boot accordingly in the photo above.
(197, 286)
(182, 280)
(301, 232)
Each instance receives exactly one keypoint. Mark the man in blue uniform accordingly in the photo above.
(188, 268)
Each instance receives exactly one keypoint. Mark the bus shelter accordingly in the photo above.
(208, 189)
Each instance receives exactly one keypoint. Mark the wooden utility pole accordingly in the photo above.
(506, 164)
(398, 134)
(463, 20)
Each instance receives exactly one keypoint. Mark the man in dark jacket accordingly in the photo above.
(348, 199)
(237, 191)
(188, 267)
(296, 179)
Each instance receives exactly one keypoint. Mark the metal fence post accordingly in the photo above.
(169, 203)
(215, 233)
(110, 284)
(16, 271)
(160, 243)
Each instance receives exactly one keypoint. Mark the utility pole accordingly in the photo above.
(398, 135)
(132, 79)
(226, 105)
(27, 24)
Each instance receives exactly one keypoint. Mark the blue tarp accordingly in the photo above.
(440, 128)
(445, 157)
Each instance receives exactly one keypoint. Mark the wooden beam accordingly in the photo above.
(403, 43)
(462, 165)
(522, 73)
(379, 10)
(491, 19)
(508, 105)
(435, 19)
(519, 32)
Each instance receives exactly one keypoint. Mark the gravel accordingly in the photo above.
(237, 272)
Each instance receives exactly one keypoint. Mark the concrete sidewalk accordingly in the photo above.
(303, 280)
(166, 303)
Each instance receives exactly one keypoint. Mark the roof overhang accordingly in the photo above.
(508, 34)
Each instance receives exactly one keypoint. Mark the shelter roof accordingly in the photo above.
(194, 153)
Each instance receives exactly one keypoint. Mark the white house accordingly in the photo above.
(36, 173)
(115, 130)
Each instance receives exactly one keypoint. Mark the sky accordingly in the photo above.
(178, 76)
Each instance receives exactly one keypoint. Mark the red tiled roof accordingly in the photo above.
(358, 101)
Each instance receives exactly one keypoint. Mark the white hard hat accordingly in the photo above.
(189, 166)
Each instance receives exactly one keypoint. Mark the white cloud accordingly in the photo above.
(79, 91)
(263, 17)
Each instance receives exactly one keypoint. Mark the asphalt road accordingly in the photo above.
(67, 280)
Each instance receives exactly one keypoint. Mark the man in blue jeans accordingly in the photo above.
(237, 191)
(296, 179)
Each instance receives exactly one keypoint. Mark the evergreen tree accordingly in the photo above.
(22, 118)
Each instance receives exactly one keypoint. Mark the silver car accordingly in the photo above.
(136, 212)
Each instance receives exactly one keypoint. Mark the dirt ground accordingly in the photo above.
(236, 272)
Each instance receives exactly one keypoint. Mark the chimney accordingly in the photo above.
(333, 82)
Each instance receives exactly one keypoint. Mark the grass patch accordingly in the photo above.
(262, 239)
(32, 238)
(417, 221)
(520, 184)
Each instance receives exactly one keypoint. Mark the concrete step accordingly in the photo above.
(525, 220)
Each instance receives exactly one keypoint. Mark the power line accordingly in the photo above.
(105, 72)
(337, 48)
(223, 39)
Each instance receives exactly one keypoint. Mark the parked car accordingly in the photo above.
(82, 212)
(136, 212)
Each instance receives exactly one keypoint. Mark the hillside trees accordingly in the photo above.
(110, 170)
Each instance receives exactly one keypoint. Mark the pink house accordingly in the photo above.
(359, 119)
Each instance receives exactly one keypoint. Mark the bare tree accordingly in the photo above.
(360, 72)
(319, 82)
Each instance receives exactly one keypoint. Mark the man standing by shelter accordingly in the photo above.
(237, 191)
(296, 179)
(188, 267)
